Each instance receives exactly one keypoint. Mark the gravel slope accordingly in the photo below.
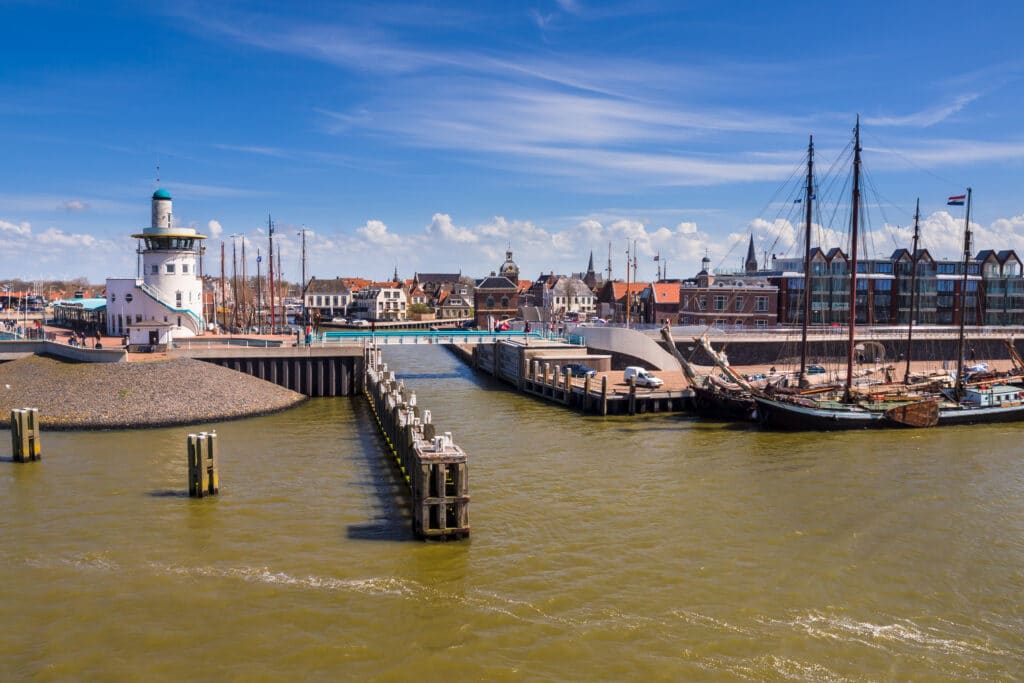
(128, 395)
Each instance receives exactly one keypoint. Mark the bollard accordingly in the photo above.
(604, 394)
(25, 435)
(632, 395)
(202, 465)
(586, 393)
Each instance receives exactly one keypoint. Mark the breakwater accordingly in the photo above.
(435, 469)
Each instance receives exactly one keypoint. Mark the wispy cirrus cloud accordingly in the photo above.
(925, 117)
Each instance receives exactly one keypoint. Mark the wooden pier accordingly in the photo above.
(434, 467)
(530, 370)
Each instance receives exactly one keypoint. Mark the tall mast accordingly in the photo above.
(854, 226)
(223, 288)
(245, 289)
(627, 284)
(808, 195)
(959, 388)
(270, 276)
(913, 290)
(234, 282)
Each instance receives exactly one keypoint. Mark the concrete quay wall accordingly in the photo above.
(311, 371)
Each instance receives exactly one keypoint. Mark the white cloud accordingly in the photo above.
(441, 226)
(214, 228)
(59, 238)
(375, 232)
(21, 229)
(74, 205)
(925, 117)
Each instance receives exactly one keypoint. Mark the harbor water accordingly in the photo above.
(658, 547)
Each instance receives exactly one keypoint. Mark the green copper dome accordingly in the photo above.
(161, 194)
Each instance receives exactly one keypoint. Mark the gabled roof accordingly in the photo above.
(495, 282)
(834, 253)
(666, 292)
(336, 286)
(571, 286)
(619, 288)
(355, 283)
(524, 285)
(438, 277)
(1007, 254)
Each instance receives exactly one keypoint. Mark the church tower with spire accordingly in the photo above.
(590, 279)
(751, 265)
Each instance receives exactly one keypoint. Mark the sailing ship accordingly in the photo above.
(986, 398)
(794, 411)
(730, 397)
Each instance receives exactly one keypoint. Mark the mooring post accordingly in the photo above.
(567, 395)
(586, 394)
(604, 394)
(632, 395)
(25, 435)
(202, 465)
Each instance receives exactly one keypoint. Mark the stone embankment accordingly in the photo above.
(130, 395)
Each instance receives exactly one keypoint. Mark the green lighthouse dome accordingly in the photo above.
(161, 194)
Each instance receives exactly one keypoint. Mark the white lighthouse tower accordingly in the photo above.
(168, 301)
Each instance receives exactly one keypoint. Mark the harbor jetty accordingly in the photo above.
(131, 395)
(432, 465)
(535, 367)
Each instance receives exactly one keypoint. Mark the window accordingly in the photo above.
(138, 317)
(155, 269)
(177, 299)
(760, 304)
(170, 267)
(179, 321)
(113, 297)
(760, 324)
(703, 302)
(128, 297)
(184, 267)
(739, 303)
(720, 302)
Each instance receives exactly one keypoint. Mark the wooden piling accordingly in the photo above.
(632, 395)
(604, 394)
(434, 468)
(202, 465)
(586, 394)
(25, 435)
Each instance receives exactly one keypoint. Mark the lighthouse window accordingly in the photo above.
(155, 269)
(184, 267)
(128, 297)
(170, 267)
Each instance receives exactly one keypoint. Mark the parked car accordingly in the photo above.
(578, 370)
(642, 377)
(359, 322)
(815, 370)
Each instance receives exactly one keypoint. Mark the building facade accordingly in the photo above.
(170, 291)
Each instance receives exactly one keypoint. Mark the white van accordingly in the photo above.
(643, 377)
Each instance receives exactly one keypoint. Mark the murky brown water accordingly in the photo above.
(656, 548)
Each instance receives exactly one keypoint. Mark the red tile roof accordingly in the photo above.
(666, 292)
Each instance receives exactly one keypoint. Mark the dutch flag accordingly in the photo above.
(957, 200)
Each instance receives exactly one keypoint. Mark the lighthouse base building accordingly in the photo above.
(167, 301)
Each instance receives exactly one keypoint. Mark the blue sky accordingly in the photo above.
(429, 136)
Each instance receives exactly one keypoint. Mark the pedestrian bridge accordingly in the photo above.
(400, 337)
